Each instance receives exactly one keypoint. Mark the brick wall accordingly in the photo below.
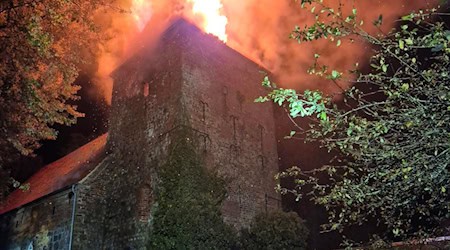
(45, 224)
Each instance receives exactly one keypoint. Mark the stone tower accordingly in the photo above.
(186, 81)
(192, 80)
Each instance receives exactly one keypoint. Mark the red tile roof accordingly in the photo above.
(62, 173)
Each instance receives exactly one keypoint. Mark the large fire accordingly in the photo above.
(258, 29)
(213, 21)
(141, 12)
(207, 14)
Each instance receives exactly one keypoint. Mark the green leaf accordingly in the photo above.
(349, 131)
(401, 44)
(437, 48)
(335, 75)
(409, 41)
(408, 17)
(447, 35)
(405, 87)
(323, 116)
(261, 99)
(266, 82)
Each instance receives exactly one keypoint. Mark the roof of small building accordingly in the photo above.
(57, 175)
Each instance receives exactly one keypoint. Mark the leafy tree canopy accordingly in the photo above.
(43, 43)
(391, 131)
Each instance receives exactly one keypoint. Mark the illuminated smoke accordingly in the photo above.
(141, 10)
(259, 29)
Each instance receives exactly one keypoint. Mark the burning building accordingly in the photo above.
(101, 196)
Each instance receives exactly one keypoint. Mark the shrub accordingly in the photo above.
(276, 230)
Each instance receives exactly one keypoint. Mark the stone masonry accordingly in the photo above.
(187, 80)
(45, 223)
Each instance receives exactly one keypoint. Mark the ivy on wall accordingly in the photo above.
(187, 212)
(189, 198)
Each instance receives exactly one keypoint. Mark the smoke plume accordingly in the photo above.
(259, 29)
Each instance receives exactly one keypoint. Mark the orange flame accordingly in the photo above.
(213, 21)
(207, 14)
(141, 12)
(258, 29)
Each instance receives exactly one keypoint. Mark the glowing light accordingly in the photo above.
(141, 10)
(213, 21)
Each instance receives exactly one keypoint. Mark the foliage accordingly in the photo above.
(391, 132)
(189, 200)
(43, 44)
(276, 230)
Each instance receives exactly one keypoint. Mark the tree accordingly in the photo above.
(275, 230)
(391, 131)
(43, 44)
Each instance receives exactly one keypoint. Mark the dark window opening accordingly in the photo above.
(203, 141)
(262, 162)
(261, 136)
(239, 196)
(69, 196)
(234, 120)
(145, 202)
(204, 107)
